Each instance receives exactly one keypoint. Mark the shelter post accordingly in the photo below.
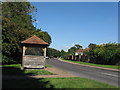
(44, 52)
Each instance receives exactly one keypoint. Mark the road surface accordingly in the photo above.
(106, 76)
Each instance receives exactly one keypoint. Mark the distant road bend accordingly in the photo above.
(106, 76)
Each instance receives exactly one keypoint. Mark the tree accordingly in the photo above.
(51, 52)
(105, 54)
(63, 53)
(17, 26)
(74, 48)
(92, 46)
(78, 46)
(43, 35)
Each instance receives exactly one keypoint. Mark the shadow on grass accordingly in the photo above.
(16, 78)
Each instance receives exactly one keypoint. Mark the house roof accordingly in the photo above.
(86, 49)
(82, 50)
(34, 40)
(79, 51)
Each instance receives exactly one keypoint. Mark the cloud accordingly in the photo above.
(72, 44)
(66, 46)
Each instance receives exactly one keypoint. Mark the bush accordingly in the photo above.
(105, 54)
(7, 60)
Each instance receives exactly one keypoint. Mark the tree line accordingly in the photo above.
(17, 25)
(106, 54)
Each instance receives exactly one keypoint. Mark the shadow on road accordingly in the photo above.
(15, 78)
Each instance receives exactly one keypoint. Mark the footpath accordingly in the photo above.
(56, 73)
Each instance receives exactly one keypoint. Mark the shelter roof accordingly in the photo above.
(34, 40)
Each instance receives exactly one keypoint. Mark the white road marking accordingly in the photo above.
(111, 74)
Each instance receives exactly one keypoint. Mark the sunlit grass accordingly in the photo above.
(27, 82)
(76, 82)
(55, 83)
(15, 70)
(98, 65)
(37, 72)
(12, 65)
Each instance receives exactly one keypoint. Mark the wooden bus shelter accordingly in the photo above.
(33, 52)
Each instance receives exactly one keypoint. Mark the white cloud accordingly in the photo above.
(66, 46)
(72, 44)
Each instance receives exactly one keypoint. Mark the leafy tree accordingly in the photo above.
(51, 52)
(63, 53)
(78, 46)
(43, 35)
(105, 54)
(92, 46)
(17, 26)
(74, 48)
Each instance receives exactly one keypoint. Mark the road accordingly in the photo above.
(106, 76)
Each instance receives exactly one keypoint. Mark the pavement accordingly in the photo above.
(56, 73)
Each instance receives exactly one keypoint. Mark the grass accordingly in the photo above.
(54, 83)
(14, 71)
(28, 82)
(47, 65)
(98, 65)
(19, 65)
(76, 82)
(12, 65)
(37, 72)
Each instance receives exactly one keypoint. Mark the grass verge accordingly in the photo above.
(14, 69)
(28, 82)
(12, 65)
(37, 72)
(54, 83)
(91, 64)
(77, 82)
(47, 65)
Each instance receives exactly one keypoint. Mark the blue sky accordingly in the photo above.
(71, 23)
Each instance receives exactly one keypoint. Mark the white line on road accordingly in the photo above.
(111, 74)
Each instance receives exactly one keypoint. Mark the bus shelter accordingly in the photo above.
(33, 52)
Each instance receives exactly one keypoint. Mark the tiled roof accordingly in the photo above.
(86, 49)
(79, 50)
(34, 40)
(82, 50)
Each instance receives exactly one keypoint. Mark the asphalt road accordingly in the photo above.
(106, 76)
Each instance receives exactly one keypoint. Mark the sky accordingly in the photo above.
(70, 23)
